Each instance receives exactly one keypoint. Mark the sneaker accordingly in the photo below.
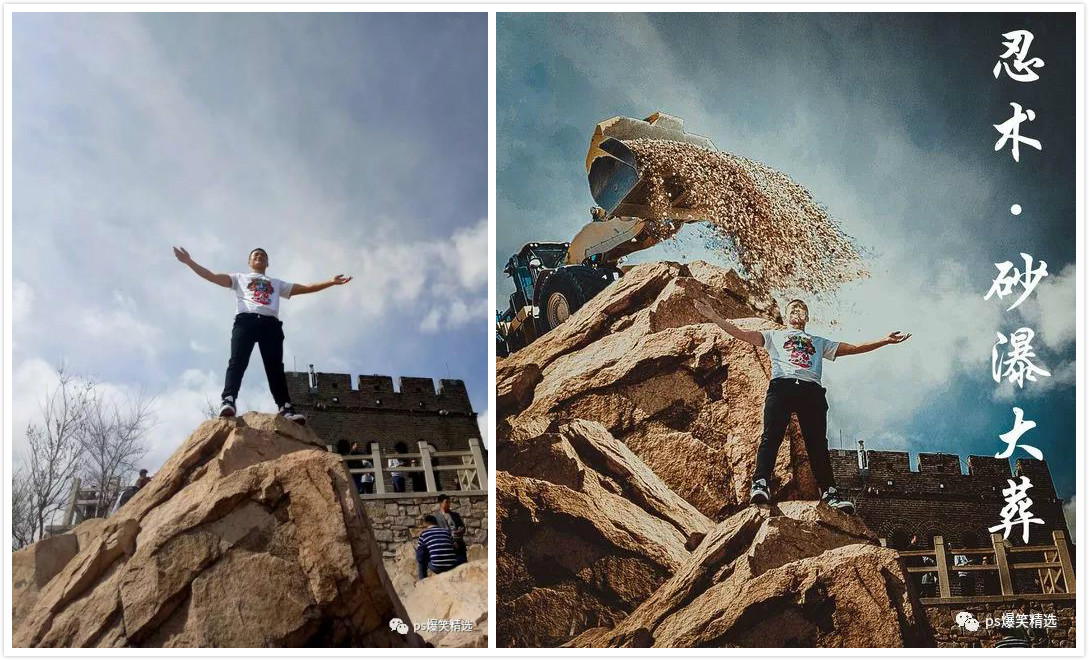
(832, 499)
(289, 413)
(227, 408)
(759, 493)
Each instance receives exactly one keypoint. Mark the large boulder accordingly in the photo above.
(586, 532)
(627, 439)
(795, 574)
(248, 536)
(404, 573)
(33, 567)
(455, 603)
(679, 392)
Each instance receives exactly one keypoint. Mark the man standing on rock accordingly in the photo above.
(258, 306)
(796, 361)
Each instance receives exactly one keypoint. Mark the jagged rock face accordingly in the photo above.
(33, 567)
(459, 594)
(586, 533)
(249, 536)
(624, 434)
(795, 574)
(682, 394)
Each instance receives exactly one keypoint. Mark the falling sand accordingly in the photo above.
(782, 237)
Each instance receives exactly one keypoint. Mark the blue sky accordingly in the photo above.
(887, 119)
(341, 143)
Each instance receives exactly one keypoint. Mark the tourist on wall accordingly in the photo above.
(797, 358)
(965, 578)
(398, 477)
(435, 548)
(366, 480)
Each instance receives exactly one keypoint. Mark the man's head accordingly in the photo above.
(430, 520)
(444, 503)
(143, 473)
(258, 260)
(797, 313)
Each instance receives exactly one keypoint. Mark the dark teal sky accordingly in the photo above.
(887, 119)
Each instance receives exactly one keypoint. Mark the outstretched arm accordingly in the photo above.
(751, 336)
(853, 349)
(222, 279)
(337, 280)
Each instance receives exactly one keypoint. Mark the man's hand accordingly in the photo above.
(846, 348)
(896, 337)
(183, 255)
(222, 279)
(751, 336)
(337, 280)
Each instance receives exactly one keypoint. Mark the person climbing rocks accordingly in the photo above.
(797, 358)
(435, 549)
(257, 299)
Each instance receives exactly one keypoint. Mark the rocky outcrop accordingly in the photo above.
(459, 595)
(249, 536)
(33, 567)
(679, 392)
(626, 444)
(796, 574)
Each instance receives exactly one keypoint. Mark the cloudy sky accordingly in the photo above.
(341, 143)
(888, 121)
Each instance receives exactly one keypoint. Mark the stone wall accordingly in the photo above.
(947, 634)
(376, 412)
(395, 518)
(939, 499)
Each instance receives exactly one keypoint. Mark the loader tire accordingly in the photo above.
(565, 292)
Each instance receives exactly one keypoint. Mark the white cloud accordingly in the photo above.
(188, 152)
(486, 423)
(22, 300)
(1051, 309)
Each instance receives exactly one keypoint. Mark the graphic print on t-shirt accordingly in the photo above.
(262, 290)
(801, 350)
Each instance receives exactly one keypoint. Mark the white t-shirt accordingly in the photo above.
(259, 294)
(798, 354)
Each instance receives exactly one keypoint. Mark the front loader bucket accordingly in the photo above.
(614, 175)
(613, 169)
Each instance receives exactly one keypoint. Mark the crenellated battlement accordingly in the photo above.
(938, 473)
(377, 392)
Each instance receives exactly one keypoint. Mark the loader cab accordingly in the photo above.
(527, 265)
(516, 325)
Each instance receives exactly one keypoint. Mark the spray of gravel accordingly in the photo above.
(782, 238)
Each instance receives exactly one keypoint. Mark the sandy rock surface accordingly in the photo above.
(627, 438)
(248, 536)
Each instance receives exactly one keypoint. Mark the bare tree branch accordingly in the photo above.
(54, 446)
(23, 523)
(112, 442)
(210, 410)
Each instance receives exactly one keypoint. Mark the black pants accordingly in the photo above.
(268, 333)
(806, 399)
